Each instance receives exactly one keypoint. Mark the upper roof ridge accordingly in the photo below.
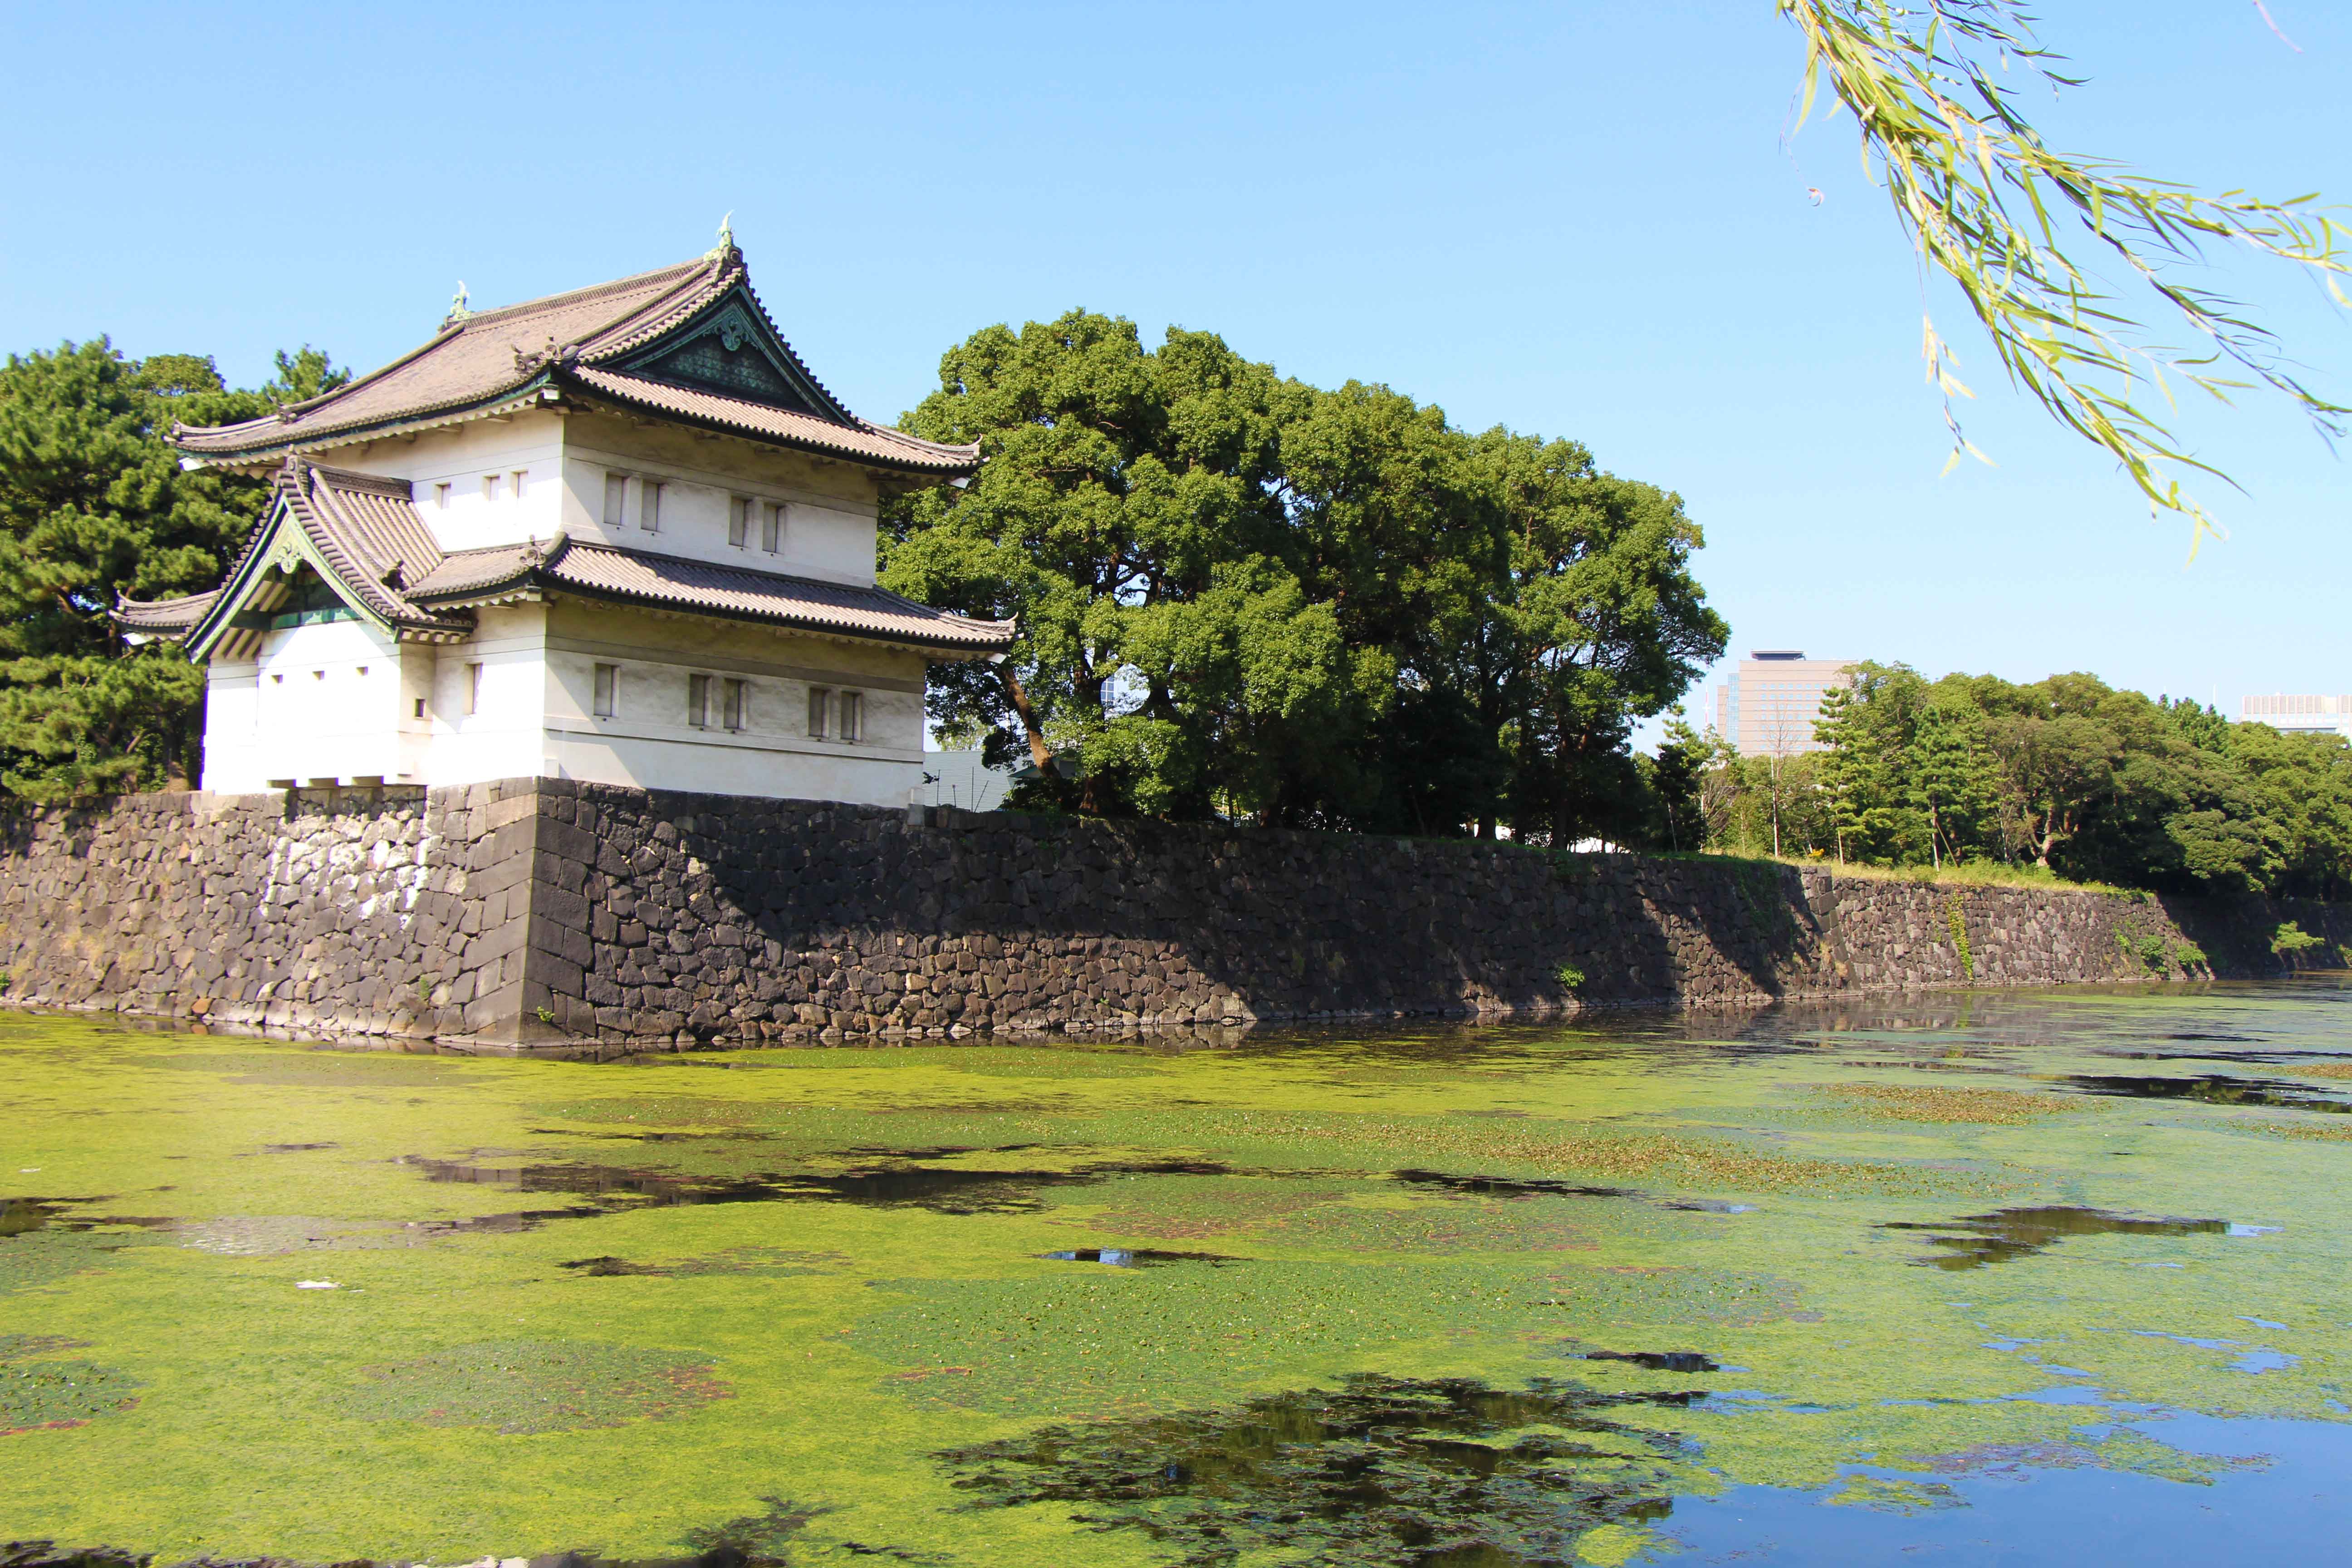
(477, 319)
(578, 342)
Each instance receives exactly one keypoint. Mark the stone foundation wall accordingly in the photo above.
(543, 911)
(382, 912)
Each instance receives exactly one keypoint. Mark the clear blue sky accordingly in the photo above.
(1574, 219)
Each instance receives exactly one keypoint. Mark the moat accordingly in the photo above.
(2027, 1278)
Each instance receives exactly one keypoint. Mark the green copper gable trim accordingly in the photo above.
(733, 321)
(286, 548)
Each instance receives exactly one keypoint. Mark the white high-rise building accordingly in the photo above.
(1768, 707)
(2302, 713)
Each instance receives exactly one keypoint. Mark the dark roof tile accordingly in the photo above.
(494, 359)
(732, 592)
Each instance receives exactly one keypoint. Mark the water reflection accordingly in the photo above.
(2009, 1234)
(1382, 1470)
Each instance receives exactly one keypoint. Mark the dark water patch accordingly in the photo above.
(514, 1222)
(771, 1262)
(2006, 1233)
(285, 1149)
(1508, 1186)
(937, 1151)
(1660, 1361)
(655, 1135)
(20, 1216)
(942, 1189)
(1134, 1257)
(1382, 1471)
(2209, 1088)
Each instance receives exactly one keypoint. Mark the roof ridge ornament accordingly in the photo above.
(457, 308)
(559, 355)
(725, 251)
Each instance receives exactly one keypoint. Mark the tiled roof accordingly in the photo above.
(472, 359)
(862, 439)
(164, 618)
(734, 593)
(493, 359)
(361, 526)
(369, 532)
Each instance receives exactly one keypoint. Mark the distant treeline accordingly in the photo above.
(2067, 773)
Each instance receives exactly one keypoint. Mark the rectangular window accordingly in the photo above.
(739, 521)
(853, 716)
(489, 487)
(649, 505)
(771, 528)
(616, 500)
(608, 691)
(441, 495)
(518, 476)
(820, 712)
(698, 700)
(738, 714)
(473, 688)
(420, 708)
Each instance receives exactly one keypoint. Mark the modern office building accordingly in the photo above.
(2300, 712)
(1768, 707)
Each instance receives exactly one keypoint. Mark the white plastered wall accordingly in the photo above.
(320, 702)
(478, 461)
(232, 756)
(486, 715)
(830, 507)
(649, 743)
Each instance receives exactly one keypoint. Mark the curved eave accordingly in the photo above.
(510, 400)
(283, 535)
(536, 586)
(935, 471)
(165, 620)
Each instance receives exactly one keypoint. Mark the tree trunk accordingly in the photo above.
(1039, 752)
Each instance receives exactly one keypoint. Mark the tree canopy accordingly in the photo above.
(2068, 774)
(1243, 596)
(92, 504)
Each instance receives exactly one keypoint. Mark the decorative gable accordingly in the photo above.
(730, 349)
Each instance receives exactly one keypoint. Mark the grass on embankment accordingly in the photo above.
(1972, 874)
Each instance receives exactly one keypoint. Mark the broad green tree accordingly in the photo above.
(1246, 596)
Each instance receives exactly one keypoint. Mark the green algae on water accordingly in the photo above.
(1567, 1279)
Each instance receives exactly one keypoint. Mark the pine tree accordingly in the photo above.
(92, 504)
